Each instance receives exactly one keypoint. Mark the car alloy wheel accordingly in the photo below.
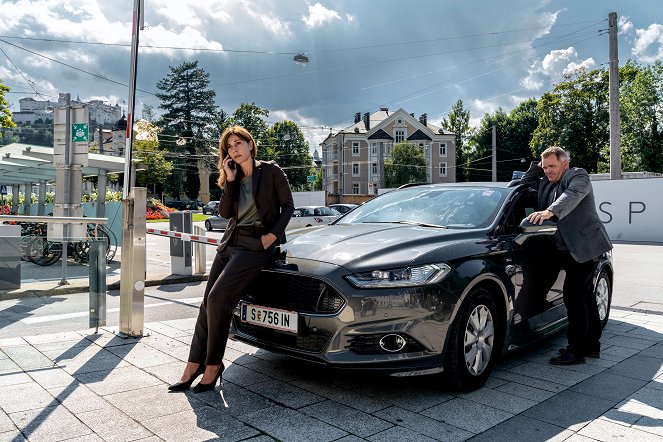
(603, 294)
(479, 339)
(474, 341)
(208, 226)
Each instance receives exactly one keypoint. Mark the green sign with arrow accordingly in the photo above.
(79, 132)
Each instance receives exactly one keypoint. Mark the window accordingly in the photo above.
(355, 188)
(399, 135)
(374, 148)
(374, 168)
(355, 148)
(355, 169)
(443, 169)
(443, 149)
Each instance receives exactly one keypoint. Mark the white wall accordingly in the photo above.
(316, 198)
(631, 210)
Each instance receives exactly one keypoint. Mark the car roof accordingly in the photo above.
(497, 184)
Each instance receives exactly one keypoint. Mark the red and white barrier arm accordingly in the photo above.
(184, 236)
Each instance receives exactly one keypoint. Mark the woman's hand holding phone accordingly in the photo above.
(230, 167)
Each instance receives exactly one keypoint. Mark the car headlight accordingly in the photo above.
(403, 277)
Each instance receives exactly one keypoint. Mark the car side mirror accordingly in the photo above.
(530, 230)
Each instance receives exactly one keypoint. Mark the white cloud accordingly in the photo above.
(270, 22)
(554, 65)
(624, 25)
(647, 41)
(547, 20)
(318, 15)
(187, 37)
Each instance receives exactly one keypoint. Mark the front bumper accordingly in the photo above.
(341, 326)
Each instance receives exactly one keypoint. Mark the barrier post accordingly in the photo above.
(97, 256)
(199, 250)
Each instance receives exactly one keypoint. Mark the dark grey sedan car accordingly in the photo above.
(422, 280)
(216, 222)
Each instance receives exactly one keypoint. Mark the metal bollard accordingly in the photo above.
(97, 257)
(200, 257)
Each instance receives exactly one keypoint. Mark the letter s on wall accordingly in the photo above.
(607, 213)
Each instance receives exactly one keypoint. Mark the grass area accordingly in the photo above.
(194, 217)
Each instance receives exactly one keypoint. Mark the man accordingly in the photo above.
(565, 195)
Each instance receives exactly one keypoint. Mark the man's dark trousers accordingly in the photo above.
(584, 331)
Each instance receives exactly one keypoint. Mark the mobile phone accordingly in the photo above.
(231, 165)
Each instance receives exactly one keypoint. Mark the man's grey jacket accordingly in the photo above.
(575, 210)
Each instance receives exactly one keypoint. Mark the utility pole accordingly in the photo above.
(494, 154)
(613, 80)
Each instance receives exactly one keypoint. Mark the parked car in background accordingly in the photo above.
(212, 208)
(343, 208)
(183, 205)
(425, 279)
(307, 216)
(216, 222)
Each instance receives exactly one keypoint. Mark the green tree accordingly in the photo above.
(459, 123)
(285, 144)
(574, 116)
(155, 167)
(189, 108)
(5, 113)
(407, 165)
(641, 112)
(251, 118)
(513, 136)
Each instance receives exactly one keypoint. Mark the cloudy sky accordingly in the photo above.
(419, 55)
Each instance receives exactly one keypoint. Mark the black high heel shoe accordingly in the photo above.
(184, 385)
(207, 387)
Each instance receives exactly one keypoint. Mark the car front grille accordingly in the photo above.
(304, 341)
(289, 291)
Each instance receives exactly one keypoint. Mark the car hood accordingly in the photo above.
(368, 246)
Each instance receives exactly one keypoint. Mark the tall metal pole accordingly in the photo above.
(132, 270)
(66, 189)
(137, 25)
(494, 154)
(613, 79)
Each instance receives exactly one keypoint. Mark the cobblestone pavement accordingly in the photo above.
(82, 386)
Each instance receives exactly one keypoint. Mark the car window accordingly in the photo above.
(523, 206)
(306, 212)
(324, 211)
(449, 206)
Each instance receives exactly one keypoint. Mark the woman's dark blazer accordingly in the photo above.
(272, 196)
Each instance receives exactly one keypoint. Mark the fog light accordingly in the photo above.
(392, 343)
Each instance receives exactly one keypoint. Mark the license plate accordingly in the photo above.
(270, 317)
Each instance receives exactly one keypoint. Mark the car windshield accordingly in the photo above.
(452, 207)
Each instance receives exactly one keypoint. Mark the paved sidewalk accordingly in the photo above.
(91, 387)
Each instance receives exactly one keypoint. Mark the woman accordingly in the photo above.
(257, 201)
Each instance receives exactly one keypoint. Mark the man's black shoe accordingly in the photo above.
(590, 354)
(567, 358)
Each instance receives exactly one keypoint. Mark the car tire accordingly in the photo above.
(475, 335)
(208, 226)
(603, 293)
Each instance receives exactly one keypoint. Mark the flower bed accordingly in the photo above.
(157, 210)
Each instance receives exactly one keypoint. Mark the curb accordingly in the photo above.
(83, 286)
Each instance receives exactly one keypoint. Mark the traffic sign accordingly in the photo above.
(3, 190)
(79, 132)
(311, 178)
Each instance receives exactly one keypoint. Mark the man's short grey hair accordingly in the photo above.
(559, 153)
